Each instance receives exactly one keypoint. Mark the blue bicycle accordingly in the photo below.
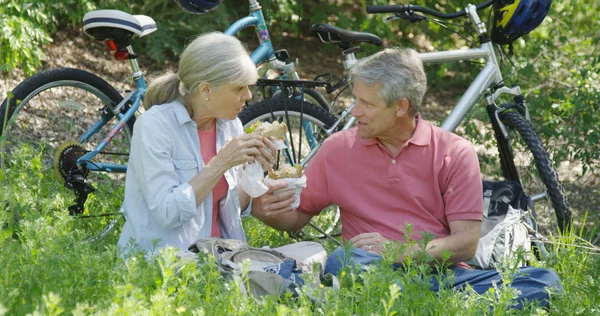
(79, 127)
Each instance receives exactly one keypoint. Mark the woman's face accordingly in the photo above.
(227, 100)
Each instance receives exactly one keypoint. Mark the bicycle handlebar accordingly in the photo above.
(415, 8)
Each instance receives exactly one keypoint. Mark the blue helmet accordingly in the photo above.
(198, 6)
(515, 18)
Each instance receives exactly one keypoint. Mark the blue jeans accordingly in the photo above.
(531, 282)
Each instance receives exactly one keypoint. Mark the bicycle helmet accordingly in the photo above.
(198, 6)
(515, 18)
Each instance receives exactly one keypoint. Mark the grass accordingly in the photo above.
(47, 269)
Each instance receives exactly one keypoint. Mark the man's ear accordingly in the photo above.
(401, 107)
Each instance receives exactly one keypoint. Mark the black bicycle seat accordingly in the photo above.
(343, 38)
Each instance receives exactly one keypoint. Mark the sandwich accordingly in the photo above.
(266, 129)
(286, 171)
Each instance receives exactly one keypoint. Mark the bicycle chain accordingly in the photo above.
(107, 153)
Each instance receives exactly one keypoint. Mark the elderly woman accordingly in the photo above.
(181, 181)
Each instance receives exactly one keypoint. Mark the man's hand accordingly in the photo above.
(272, 204)
(274, 209)
(371, 242)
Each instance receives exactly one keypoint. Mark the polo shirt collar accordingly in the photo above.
(368, 141)
(420, 136)
(422, 133)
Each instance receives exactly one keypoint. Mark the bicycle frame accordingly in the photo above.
(488, 79)
(134, 98)
(264, 52)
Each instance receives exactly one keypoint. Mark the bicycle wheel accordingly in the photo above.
(537, 175)
(45, 117)
(312, 96)
(319, 121)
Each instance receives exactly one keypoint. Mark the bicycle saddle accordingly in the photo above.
(343, 38)
(116, 25)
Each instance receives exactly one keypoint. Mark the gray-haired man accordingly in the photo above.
(395, 169)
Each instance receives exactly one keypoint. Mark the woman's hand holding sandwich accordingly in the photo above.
(246, 149)
(239, 150)
(268, 154)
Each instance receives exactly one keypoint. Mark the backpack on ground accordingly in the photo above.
(506, 227)
(269, 272)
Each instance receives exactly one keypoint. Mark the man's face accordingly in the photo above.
(375, 118)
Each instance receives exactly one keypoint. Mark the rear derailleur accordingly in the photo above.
(77, 183)
(72, 175)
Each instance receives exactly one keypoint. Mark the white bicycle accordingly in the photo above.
(523, 158)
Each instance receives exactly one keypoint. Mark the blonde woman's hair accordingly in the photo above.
(214, 58)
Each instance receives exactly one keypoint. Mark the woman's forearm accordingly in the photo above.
(205, 181)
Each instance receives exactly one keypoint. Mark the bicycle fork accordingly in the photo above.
(494, 112)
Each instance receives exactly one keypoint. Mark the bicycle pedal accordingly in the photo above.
(75, 209)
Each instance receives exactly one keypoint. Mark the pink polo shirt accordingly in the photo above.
(433, 180)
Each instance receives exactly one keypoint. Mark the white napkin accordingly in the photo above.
(251, 180)
(295, 184)
(252, 175)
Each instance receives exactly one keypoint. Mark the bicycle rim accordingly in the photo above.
(302, 144)
(49, 120)
(329, 219)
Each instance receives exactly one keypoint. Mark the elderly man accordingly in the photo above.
(395, 169)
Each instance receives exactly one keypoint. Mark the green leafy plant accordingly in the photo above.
(48, 269)
(27, 26)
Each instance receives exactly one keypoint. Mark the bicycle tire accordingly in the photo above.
(319, 98)
(65, 98)
(547, 174)
(321, 119)
(265, 109)
(313, 97)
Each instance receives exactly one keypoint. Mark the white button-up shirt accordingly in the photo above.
(159, 204)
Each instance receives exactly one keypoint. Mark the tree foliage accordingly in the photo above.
(26, 26)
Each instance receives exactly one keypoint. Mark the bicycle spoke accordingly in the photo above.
(319, 121)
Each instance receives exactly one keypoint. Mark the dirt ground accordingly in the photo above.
(74, 49)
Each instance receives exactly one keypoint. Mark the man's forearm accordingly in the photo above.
(459, 245)
(289, 221)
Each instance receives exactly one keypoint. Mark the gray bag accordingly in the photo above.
(504, 228)
(269, 272)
